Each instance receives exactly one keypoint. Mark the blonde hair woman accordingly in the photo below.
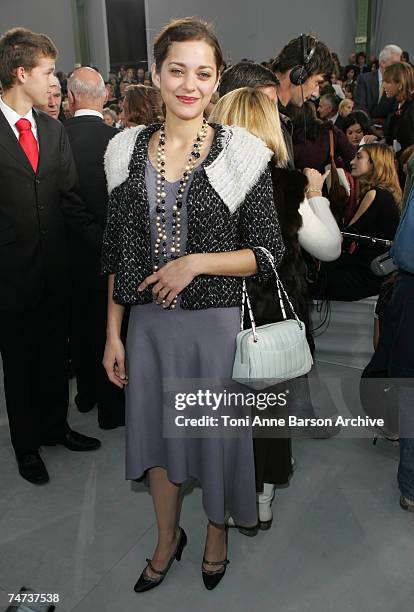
(250, 108)
(304, 223)
(317, 230)
(350, 278)
(345, 107)
(376, 162)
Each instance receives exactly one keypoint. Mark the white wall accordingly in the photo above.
(98, 36)
(51, 17)
(54, 18)
(397, 25)
(257, 29)
(246, 28)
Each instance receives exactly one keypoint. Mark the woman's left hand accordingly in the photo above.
(315, 179)
(170, 280)
(368, 139)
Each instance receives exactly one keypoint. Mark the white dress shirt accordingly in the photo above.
(380, 78)
(334, 118)
(12, 117)
(338, 90)
(87, 111)
(380, 89)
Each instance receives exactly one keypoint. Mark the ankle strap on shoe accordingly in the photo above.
(160, 573)
(225, 562)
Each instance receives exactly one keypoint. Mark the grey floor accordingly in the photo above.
(339, 540)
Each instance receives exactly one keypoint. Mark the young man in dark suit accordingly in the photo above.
(38, 197)
(89, 137)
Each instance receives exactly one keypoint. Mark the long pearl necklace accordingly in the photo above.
(160, 249)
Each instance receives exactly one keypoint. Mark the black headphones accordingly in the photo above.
(299, 74)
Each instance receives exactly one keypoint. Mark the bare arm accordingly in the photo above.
(114, 356)
(176, 275)
(368, 198)
(233, 263)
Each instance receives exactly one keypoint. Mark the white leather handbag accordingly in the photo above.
(270, 354)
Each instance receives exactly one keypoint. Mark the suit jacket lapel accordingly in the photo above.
(41, 138)
(10, 143)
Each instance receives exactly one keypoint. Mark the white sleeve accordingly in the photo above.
(319, 234)
(338, 90)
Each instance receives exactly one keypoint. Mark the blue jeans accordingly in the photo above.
(401, 366)
(406, 466)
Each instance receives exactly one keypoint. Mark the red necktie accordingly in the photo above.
(28, 141)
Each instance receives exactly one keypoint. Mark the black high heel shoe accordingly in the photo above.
(211, 578)
(145, 583)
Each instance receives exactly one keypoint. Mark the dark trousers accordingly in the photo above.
(397, 332)
(347, 279)
(33, 346)
(87, 341)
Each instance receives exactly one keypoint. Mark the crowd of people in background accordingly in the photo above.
(355, 98)
(326, 149)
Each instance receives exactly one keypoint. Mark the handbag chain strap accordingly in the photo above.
(281, 293)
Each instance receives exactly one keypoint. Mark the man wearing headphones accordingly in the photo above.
(300, 68)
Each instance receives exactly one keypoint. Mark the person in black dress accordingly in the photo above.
(306, 222)
(399, 83)
(350, 277)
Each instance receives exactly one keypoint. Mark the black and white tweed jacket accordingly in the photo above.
(229, 207)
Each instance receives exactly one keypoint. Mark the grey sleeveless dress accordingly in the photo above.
(173, 344)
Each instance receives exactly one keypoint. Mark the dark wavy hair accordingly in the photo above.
(292, 55)
(142, 105)
(348, 69)
(358, 116)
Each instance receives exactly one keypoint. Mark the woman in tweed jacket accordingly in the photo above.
(219, 202)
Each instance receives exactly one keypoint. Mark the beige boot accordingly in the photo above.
(248, 531)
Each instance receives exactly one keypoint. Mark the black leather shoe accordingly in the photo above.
(145, 583)
(74, 441)
(211, 578)
(110, 425)
(118, 421)
(406, 504)
(84, 404)
(32, 468)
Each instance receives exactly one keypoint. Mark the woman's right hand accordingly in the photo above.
(114, 362)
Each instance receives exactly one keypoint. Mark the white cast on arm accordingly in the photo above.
(319, 234)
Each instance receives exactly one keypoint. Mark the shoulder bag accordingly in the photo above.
(340, 187)
(270, 354)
